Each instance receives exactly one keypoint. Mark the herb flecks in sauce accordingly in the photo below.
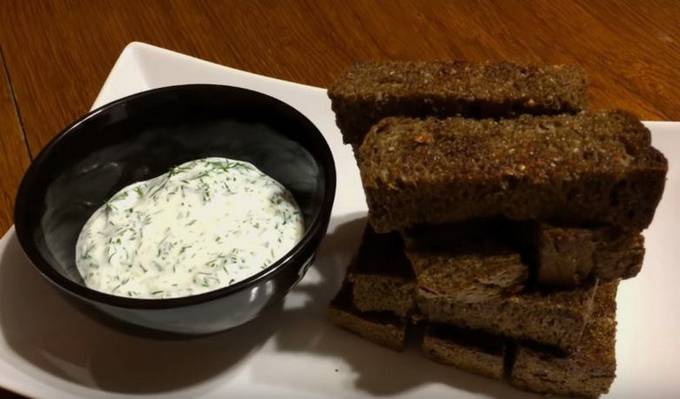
(204, 225)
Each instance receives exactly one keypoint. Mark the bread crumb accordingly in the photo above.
(424, 138)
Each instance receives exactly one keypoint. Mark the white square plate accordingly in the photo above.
(48, 349)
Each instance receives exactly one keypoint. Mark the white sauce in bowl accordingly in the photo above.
(204, 225)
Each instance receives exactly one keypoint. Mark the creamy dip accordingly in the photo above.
(204, 225)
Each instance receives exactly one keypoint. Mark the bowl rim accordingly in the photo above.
(317, 226)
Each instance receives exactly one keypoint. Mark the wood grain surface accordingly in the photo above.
(58, 53)
(14, 159)
(14, 156)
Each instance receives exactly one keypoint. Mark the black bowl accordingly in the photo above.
(142, 136)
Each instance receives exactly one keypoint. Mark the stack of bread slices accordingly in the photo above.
(502, 216)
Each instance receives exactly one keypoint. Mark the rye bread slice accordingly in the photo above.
(473, 351)
(382, 328)
(589, 168)
(586, 372)
(381, 275)
(370, 91)
(469, 273)
(561, 257)
(566, 257)
(458, 290)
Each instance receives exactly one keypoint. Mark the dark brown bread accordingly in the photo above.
(469, 275)
(586, 372)
(434, 237)
(568, 257)
(473, 351)
(381, 275)
(457, 290)
(604, 304)
(594, 168)
(370, 91)
(382, 328)
(377, 293)
(561, 257)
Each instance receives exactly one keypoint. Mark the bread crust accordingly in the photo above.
(382, 328)
(484, 292)
(559, 257)
(588, 371)
(370, 91)
(381, 276)
(472, 351)
(585, 169)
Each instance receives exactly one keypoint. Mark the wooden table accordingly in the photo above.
(56, 54)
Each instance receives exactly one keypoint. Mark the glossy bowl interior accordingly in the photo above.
(142, 136)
